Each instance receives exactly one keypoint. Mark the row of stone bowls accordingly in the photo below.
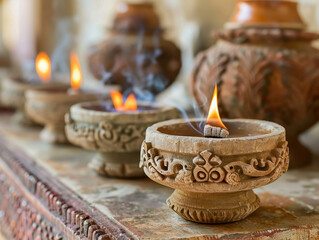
(13, 89)
(116, 136)
(213, 177)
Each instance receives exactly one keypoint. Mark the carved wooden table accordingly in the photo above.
(47, 192)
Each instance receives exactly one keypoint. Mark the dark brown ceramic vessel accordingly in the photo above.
(136, 53)
(265, 68)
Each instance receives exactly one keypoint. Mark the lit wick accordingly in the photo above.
(214, 126)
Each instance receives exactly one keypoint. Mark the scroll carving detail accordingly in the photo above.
(207, 167)
(123, 138)
(170, 169)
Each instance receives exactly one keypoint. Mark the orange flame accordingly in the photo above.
(76, 74)
(43, 67)
(117, 99)
(129, 105)
(213, 114)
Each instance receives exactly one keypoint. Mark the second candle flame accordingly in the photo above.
(129, 105)
(43, 67)
(76, 74)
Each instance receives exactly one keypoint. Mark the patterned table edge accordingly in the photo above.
(74, 212)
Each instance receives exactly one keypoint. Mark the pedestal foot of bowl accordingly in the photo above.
(299, 155)
(22, 118)
(120, 165)
(213, 207)
(53, 134)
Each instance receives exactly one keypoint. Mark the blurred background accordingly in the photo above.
(59, 26)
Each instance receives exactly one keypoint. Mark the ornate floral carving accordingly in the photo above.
(109, 136)
(207, 167)
(160, 168)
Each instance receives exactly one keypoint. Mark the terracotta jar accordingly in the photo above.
(265, 68)
(135, 55)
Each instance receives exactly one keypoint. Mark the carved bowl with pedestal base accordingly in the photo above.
(117, 136)
(213, 178)
(49, 106)
(13, 95)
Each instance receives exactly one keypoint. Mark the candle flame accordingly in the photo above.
(43, 67)
(117, 99)
(129, 105)
(213, 117)
(76, 74)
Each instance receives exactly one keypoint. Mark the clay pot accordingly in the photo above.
(13, 95)
(213, 178)
(116, 136)
(265, 68)
(136, 55)
(49, 106)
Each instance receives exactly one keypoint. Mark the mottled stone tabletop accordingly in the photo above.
(289, 207)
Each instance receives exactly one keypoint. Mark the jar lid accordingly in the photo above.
(266, 14)
(136, 17)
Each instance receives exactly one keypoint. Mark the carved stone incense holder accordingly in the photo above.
(13, 95)
(49, 106)
(116, 136)
(265, 68)
(214, 177)
(136, 52)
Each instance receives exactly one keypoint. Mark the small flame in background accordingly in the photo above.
(43, 67)
(129, 105)
(76, 74)
(213, 117)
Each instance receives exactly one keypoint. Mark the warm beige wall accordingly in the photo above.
(188, 22)
(208, 14)
(19, 28)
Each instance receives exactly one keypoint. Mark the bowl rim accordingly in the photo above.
(235, 146)
(82, 115)
(61, 95)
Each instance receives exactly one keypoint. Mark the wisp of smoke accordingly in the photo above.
(139, 67)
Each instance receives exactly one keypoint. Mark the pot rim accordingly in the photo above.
(255, 13)
(59, 96)
(80, 114)
(192, 145)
